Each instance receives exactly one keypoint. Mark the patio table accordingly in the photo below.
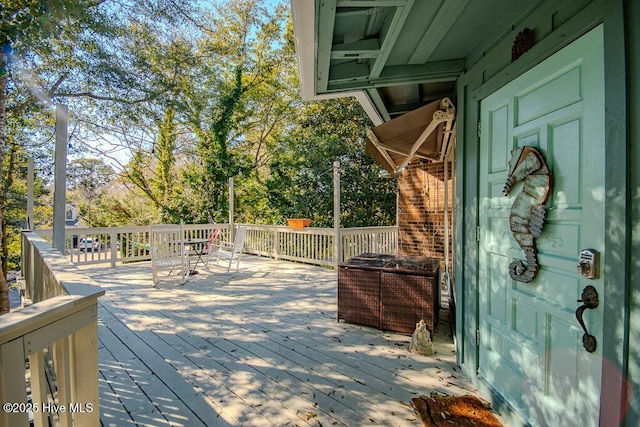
(388, 292)
(198, 246)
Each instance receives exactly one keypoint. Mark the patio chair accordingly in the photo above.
(213, 241)
(230, 252)
(168, 250)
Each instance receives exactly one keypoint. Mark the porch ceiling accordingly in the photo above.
(400, 54)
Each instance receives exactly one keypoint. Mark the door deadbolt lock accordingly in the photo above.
(589, 264)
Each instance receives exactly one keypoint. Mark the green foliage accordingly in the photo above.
(86, 177)
(300, 178)
(194, 95)
(28, 21)
(229, 93)
(163, 184)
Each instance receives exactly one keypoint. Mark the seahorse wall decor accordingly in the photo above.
(529, 208)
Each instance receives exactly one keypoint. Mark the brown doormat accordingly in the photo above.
(459, 411)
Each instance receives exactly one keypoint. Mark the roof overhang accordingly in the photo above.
(394, 55)
(426, 133)
(304, 29)
(333, 65)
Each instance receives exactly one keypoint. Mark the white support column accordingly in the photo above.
(231, 211)
(337, 246)
(30, 197)
(60, 177)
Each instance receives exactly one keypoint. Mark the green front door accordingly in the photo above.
(530, 347)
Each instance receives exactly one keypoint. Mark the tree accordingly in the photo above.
(194, 94)
(240, 53)
(87, 177)
(222, 76)
(24, 24)
(301, 180)
(60, 50)
(157, 177)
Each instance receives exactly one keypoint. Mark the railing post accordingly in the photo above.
(337, 243)
(60, 175)
(12, 382)
(62, 364)
(113, 237)
(86, 390)
(276, 244)
(38, 387)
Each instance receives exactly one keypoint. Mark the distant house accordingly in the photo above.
(71, 220)
(71, 216)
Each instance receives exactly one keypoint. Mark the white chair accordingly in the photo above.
(168, 250)
(213, 242)
(230, 252)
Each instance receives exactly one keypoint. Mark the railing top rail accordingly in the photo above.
(287, 229)
(47, 232)
(133, 228)
(79, 293)
(319, 230)
(35, 316)
(361, 230)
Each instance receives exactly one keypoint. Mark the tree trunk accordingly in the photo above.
(4, 288)
(7, 183)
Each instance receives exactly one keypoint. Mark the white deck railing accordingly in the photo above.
(62, 323)
(359, 240)
(316, 245)
(119, 244)
(310, 245)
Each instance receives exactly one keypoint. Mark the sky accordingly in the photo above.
(112, 151)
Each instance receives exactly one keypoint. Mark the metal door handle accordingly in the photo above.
(589, 300)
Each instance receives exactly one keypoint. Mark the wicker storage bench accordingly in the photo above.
(389, 293)
(359, 289)
(359, 296)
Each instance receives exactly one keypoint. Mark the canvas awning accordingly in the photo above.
(425, 133)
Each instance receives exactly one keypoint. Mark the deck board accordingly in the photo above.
(258, 347)
(128, 376)
(174, 389)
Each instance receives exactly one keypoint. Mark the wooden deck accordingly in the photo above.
(257, 347)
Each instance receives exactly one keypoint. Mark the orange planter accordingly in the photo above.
(298, 223)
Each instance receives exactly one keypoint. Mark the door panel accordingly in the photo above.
(530, 341)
